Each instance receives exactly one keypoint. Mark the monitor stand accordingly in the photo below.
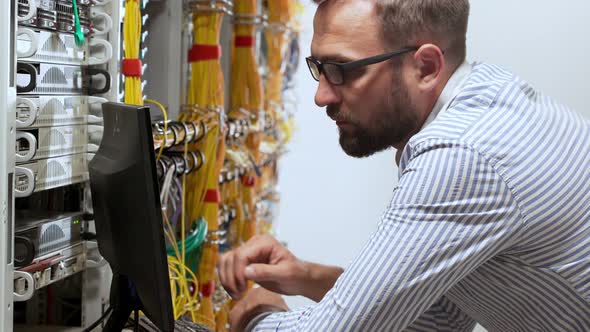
(124, 300)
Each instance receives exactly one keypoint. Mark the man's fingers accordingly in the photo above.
(221, 269)
(257, 250)
(240, 279)
(229, 270)
(228, 281)
(264, 272)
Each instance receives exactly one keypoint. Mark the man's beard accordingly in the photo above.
(393, 124)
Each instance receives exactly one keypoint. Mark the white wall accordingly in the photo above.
(543, 41)
(331, 202)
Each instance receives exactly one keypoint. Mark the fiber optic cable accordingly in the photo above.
(205, 97)
(131, 66)
(165, 114)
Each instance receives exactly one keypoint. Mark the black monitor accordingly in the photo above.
(128, 217)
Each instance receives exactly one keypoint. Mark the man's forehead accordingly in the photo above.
(323, 2)
(343, 14)
(345, 27)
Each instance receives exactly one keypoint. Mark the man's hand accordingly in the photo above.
(256, 302)
(265, 261)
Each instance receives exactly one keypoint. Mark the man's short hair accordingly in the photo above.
(408, 22)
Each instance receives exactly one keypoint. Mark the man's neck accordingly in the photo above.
(454, 81)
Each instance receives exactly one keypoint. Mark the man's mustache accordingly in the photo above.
(335, 114)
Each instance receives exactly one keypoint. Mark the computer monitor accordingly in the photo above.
(128, 217)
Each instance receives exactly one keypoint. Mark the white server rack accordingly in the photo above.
(50, 124)
(7, 136)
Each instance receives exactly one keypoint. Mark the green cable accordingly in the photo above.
(78, 34)
(194, 241)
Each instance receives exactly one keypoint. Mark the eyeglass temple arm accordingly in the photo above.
(376, 59)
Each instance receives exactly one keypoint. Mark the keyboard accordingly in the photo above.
(187, 326)
(181, 325)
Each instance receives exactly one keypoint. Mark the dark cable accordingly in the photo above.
(87, 236)
(136, 329)
(95, 324)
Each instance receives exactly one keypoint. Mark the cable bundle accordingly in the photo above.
(279, 17)
(232, 195)
(246, 87)
(276, 35)
(132, 66)
(247, 102)
(183, 281)
(205, 100)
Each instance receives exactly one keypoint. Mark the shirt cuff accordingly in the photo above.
(252, 324)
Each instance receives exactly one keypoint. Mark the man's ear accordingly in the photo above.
(430, 65)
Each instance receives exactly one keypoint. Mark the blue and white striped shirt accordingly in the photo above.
(490, 223)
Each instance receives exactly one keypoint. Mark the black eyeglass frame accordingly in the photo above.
(343, 68)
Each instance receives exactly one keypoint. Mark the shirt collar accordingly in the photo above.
(449, 92)
(451, 89)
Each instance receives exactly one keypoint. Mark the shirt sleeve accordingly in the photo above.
(450, 213)
(442, 316)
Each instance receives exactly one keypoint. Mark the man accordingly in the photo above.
(490, 221)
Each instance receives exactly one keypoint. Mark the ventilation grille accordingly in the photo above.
(53, 169)
(59, 48)
(53, 238)
(54, 44)
(62, 141)
(61, 172)
(54, 76)
(54, 106)
(60, 112)
(55, 137)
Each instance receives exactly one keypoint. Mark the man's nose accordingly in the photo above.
(326, 94)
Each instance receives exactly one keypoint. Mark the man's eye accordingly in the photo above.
(356, 72)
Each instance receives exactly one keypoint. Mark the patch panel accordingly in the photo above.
(51, 173)
(47, 270)
(40, 143)
(40, 233)
(46, 111)
(54, 79)
(58, 15)
(55, 47)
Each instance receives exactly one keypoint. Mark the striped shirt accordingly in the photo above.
(489, 223)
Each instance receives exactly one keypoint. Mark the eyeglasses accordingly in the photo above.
(335, 71)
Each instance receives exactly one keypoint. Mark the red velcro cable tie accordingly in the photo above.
(248, 180)
(208, 288)
(212, 196)
(244, 41)
(131, 67)
(201, 52)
